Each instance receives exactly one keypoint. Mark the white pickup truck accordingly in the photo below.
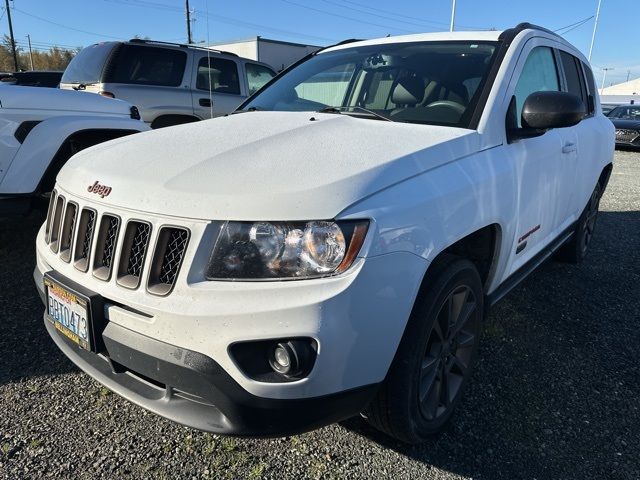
(40, 129)
(333, 246)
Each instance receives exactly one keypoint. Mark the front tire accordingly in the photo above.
(435, 357)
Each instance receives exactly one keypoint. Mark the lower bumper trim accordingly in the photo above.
(192, 389)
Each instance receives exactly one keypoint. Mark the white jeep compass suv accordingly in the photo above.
(332, 247)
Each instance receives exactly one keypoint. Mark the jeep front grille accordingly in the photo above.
(165, 265)
(54, 233)
(106, 246)
(47, 225)
(68, 229)
(94, 241)
(134, 250)
(86, 228)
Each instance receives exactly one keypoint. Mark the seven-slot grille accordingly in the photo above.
(114, 246)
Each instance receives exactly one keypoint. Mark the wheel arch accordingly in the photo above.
(73, 144)
(171, 119)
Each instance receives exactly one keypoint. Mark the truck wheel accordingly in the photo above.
(577, 246)
(435, 357)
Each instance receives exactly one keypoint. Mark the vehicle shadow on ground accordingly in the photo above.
(552, 393)
(25, 347)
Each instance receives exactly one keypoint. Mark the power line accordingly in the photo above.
(220, 19)
(573, 26)
(387, 12)
(64, 26)
(421, 25)
(324, 12)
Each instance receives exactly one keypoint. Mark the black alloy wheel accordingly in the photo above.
(449, 353)
(436, 355)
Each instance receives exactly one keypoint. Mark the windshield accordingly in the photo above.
(87, 66)
(625, 113)
(434, 83)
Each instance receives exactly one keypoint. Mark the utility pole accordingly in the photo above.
(30, 51)
(604, 75)
(453, 15)
(189, 39)
(13, 41)
(595, 27)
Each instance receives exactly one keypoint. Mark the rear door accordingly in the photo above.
(577, 140)
(217, 89)
(152, 78)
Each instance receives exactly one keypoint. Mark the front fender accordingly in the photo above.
(43, 142)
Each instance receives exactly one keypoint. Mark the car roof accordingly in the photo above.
(480, 36)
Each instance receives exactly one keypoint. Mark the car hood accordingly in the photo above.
(262, 165)
(35, 98)
(631, 124)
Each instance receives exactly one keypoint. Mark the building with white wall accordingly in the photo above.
(277, 53)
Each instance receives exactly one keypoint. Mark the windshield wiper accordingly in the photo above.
(349, 109)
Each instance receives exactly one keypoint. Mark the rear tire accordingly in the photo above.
(576, 248)
(435, 357)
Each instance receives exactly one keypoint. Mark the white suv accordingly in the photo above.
(41, 128)
(333, 247)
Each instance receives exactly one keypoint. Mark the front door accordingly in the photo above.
(543, 164)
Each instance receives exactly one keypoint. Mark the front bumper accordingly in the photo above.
(192, 389)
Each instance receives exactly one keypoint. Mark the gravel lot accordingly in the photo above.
(556, 394)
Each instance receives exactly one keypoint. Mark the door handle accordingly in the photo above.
(569, 147)
(204, 102)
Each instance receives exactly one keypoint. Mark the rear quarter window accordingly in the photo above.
(143, 65)
(88, 65)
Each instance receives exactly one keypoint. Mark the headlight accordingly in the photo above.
(274, 250)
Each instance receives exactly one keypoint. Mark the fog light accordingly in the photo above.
(281, 357)
(291, 359)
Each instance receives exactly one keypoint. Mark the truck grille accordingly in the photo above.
(626, 135)
(90, 238)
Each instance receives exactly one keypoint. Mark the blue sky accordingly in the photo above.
(81, 22)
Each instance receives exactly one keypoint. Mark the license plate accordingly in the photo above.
(69, 313)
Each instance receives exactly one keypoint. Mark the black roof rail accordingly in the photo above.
(512, 32)
(181, 45)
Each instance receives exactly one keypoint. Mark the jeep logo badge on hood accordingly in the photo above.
(98, 189)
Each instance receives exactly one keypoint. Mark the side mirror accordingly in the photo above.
(545, 110)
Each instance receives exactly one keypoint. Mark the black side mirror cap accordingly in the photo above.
(546, 110)
(543, 111)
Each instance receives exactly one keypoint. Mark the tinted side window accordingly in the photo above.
(539, 74)
(147, 66)
(257, 76)
(573, 76)
(219, 75)
(87, 66)
(591, 83)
